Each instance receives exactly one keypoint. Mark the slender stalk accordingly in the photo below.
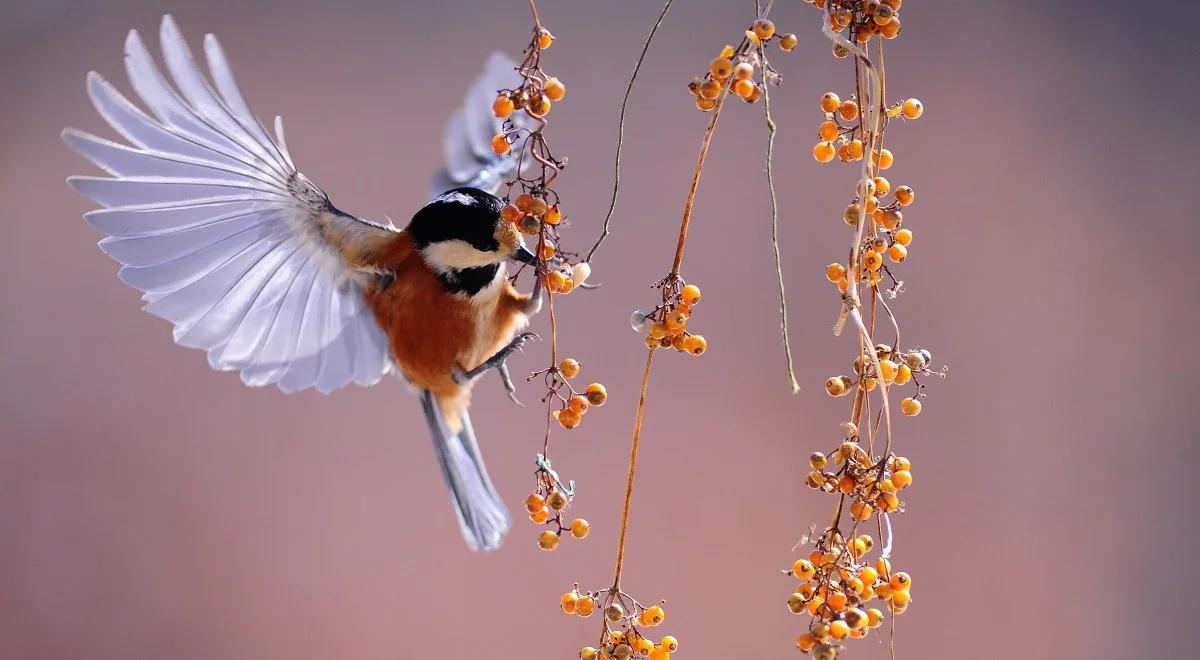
(632, 472)
(783, 316)
(691, 198)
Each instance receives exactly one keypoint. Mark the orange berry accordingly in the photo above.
(837, 601)
(580, 528)
(860, 511)
(817, 460)
(585, 606)
(853, 211)
(900, 600)
(502, 107)
(744, 88)
(912, 108)
(555, 89)
(788, 41)
(891, 29)
(874, 618)
(743, 70)
(835, 272)
(539, 106)
(500, 144)
(872, 260)
(903, 237)
(552, 216)
(659, 654)
(848, 110)
(690, 295)
(887, 502)
(806, 642)
(887, 370)
(653, 616)
(868, 575)
(557, 501)
(897, 253)
(567, 418)
(546, 250)
(900, 581)
(905, 195)
(540, 516)
(890, 218)
(839, 629)
(695, 344)
(534, 503)
(657, 330)
(830, 102)
(847, 484)
(721, 67)
(705, 105)
(903, 374)
(578, 404)
(569, 368)
(676, 321)
(883, 158)
(548, 540)
(855, 149)
(910, 407)
(596, 394)
(823, 152)
(803, 569)
(764, 28)
(882, 186)
(544, 38)
(568, 602)
(710, 90)
(828, 130)
(510, 213)
(835, 386)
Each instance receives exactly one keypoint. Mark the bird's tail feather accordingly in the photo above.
(481, 513)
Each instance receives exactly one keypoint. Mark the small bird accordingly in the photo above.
(251, 262)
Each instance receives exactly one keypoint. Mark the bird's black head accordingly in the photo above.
(462, 238)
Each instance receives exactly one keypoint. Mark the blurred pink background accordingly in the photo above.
(152, 508)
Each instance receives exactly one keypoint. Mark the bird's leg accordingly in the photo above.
(497, 362)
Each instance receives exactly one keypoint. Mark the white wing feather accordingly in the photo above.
(467, 140)
(213, 223)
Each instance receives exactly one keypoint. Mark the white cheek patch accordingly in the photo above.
(457, 255)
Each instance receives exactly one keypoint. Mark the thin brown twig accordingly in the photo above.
(691, 198)
(632, 472)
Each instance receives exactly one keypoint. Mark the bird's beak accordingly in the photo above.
(524, 256)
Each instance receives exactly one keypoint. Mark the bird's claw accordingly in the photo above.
(509, 388)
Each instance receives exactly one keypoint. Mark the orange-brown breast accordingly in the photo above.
(434, 333)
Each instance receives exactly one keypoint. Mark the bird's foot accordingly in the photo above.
(497, 362)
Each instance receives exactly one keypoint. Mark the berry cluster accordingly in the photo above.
(625, 625)
(666, 325)
(862, 18)
(837, 587)
(863, 473)
(734, 69)
(841, 130)
(869, 484)
(534, 208)
(895, 368)
(547, 503)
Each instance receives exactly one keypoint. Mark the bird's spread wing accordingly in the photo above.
(467, 140)
(227, 240)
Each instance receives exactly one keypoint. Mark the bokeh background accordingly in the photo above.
(152, 508)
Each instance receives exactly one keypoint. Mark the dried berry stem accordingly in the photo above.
(632, 471)
(783, 315)
(691, 197)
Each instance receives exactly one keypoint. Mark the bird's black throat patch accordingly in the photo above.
(468, 280)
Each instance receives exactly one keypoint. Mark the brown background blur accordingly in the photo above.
(152, 508)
